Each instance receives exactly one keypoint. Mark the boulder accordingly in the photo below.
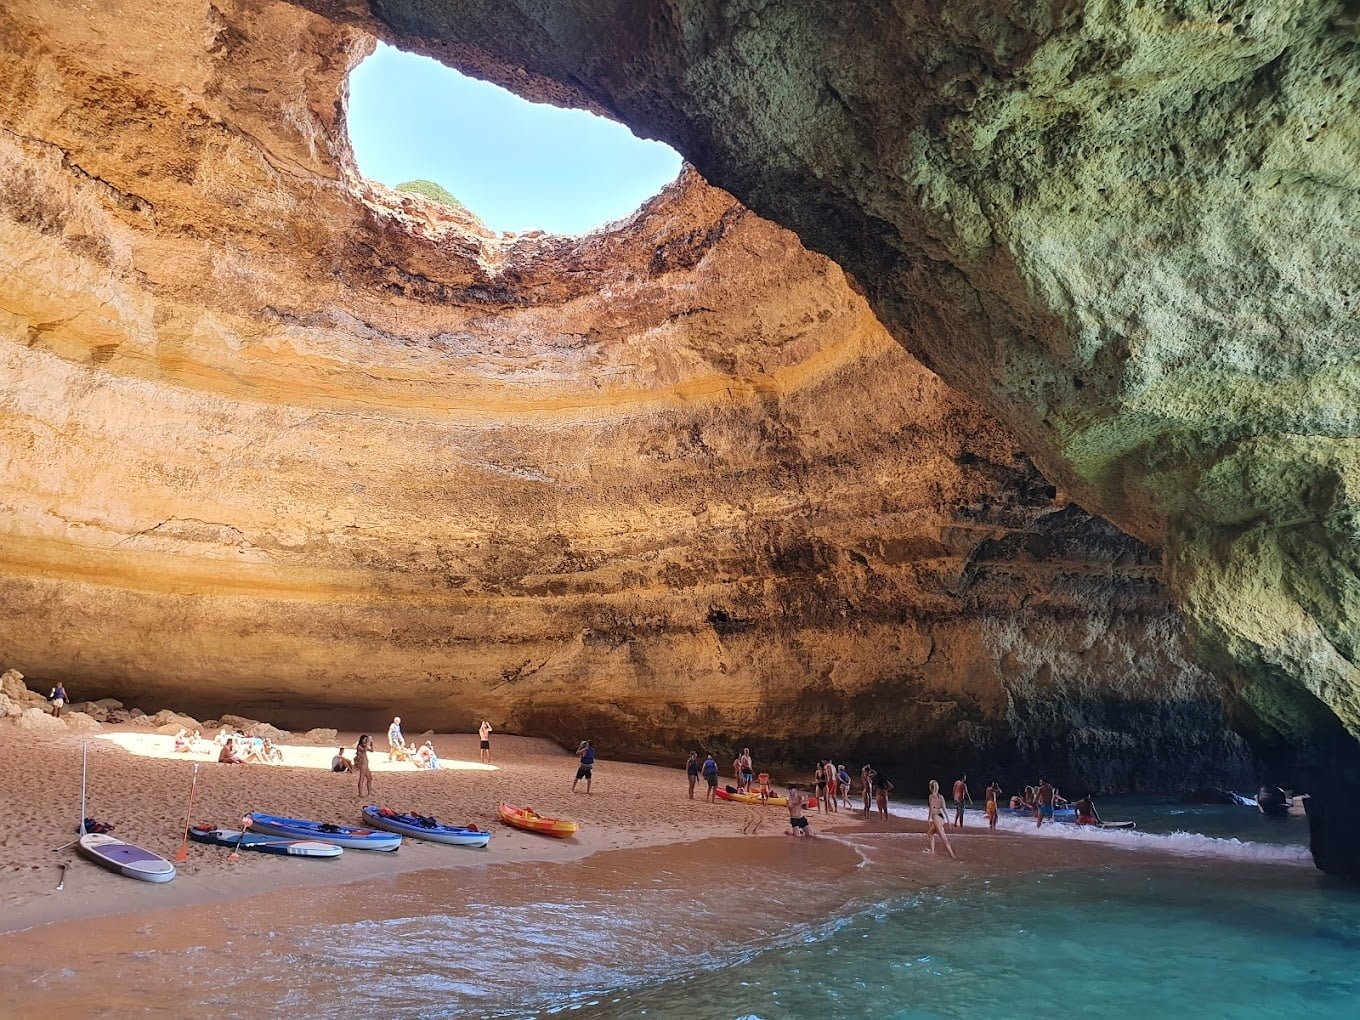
(108, 704)
(118, 716)
(91, 708)
(239, 723)
(39, 721)
(12, 684)
(267, 732)
(139, 720)
(8, 706)
(136, 713)
(320, 736)
(80, 722)
(166, 718)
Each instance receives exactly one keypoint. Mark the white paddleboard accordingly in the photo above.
(125, 858)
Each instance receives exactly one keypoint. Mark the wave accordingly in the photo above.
(1193, 844)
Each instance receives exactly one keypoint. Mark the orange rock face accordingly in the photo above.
(279, 441)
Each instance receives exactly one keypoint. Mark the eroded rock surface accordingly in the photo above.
(1126, 228)
(277, 441)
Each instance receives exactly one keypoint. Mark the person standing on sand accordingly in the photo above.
(586, 752)
(361, 766)
(692, 771)
(798, 825)
(394, 738)
(867, 775)
(936, 820)
(710, 771)
(747, 769)
(58, 698)
(1043, 803)
(484, 734)
(832, 785)
(819, 784)
(736, 774)
(881, 791)
(993, 792)
(843, 781)
(961, 794)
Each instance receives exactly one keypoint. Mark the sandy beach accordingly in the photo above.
(141, 786)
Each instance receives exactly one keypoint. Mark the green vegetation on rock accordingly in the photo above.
(437, 192)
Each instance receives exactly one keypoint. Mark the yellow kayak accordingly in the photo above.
(531, 821)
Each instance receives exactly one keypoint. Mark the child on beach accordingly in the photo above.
(798, 825)
(361, 766)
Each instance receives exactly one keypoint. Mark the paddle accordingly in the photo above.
(182, 854)
(235, 852)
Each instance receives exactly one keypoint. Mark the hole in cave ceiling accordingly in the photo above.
(417, 125)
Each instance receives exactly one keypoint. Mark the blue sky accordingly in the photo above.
(517, 165)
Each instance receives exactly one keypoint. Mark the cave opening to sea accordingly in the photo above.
(517, 166)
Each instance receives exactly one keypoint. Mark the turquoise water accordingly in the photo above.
(1089, 943)
(849, 926)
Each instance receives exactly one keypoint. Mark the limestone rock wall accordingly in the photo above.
(1127, 228)
(278, 441)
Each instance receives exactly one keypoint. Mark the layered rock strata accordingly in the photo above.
(276, 440)
(1126, 228)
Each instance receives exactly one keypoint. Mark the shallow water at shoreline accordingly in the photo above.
(862, 924)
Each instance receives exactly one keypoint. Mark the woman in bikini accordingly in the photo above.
(361, 765)
(819, 778)
(936, 819)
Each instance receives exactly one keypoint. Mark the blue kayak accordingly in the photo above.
(425, 828)
(347, 836)
(235, 838)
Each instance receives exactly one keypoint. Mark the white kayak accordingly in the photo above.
(125, 858)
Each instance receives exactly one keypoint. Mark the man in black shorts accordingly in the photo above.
(586, 752)
(484, 732)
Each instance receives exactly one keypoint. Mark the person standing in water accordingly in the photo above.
(692, 771)
(936, 820)
(1043, 803)
(961, 794)
(881, 790)
(798, 825)
(993, 792)
(710, 771)
(361, 765)
(484, 735)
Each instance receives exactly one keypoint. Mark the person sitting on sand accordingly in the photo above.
(426, 757)
(228, 755)
(271, 752)
(340, 763)
(182, 741)
(936, 819)
(361, 750)
(798, 825)
(710, 771)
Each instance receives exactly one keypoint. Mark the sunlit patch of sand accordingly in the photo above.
(157, 745)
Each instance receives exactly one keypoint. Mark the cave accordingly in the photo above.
(983, 388)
